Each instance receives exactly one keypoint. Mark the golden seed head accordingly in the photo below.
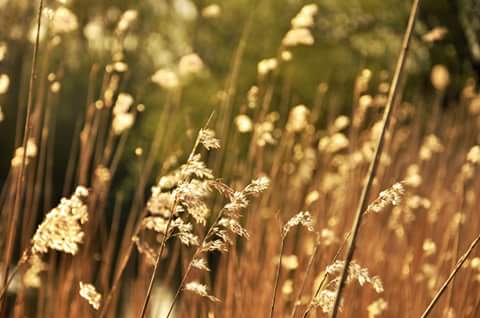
(166, 79)
(266, 66)
(61, 229)
(211, 11)
(440, 77)
(64, 20)
(4, 83)
(201, 290)
(243, 123)
(298, 118)
(300, 36)
(88, 292)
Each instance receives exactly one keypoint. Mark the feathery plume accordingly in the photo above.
(61, 229)
(201, 290)
(302, 218)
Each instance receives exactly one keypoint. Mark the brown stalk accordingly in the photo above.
(325, 274)
(157, 262)
(277, 276)
(127, 244)
(304, 281)
(195, 255)
(231, 85)
(19, 181)
(442, 289)
(73, 153)
(378, 151)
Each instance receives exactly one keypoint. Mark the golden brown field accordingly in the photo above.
(256, 207)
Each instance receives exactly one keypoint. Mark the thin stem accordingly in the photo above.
(23, 260)
(129, 246)
(195, 255)
(12, 275)
(157, 261)
(450, 278)
(116, 281)
(19, 181)
(325, 274)
(179, 289)
(137, 197)
(277, 276)
(304, 281)
(378, 151)
(165, 237)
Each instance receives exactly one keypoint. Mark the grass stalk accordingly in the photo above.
(377, 154)
(442, 289)
(20, 176)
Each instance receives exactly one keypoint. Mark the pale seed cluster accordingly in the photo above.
(228, 224)
(298, 119)
(302, 218)
(30, 153)
(435, 34)
(122, 118)
(126, 20)
(170, 78)
(201, 290)
(299, 34)
(211, 11)
(61, 229)
(431, 146)
(325, 299)
(4, 83)
(63, 21)
(264, 131)
(31, 277)
(89, 293)
(391, 196)
(377, 308)
(473, 160)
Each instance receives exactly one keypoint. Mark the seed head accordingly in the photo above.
(88, 292)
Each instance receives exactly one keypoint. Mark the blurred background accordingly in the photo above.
(294, 90)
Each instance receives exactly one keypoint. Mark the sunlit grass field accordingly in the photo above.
(165, 190)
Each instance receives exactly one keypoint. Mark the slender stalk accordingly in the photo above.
(277, 276)
(157, 261)
(20, 177)
(304, 281)
(165, 237)
(179, 289)
(442, 289)
(378, 151)
(9, 280)
(324, 277)
(195, 255)
(127, 244)
(124, 257)
(116, 281)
